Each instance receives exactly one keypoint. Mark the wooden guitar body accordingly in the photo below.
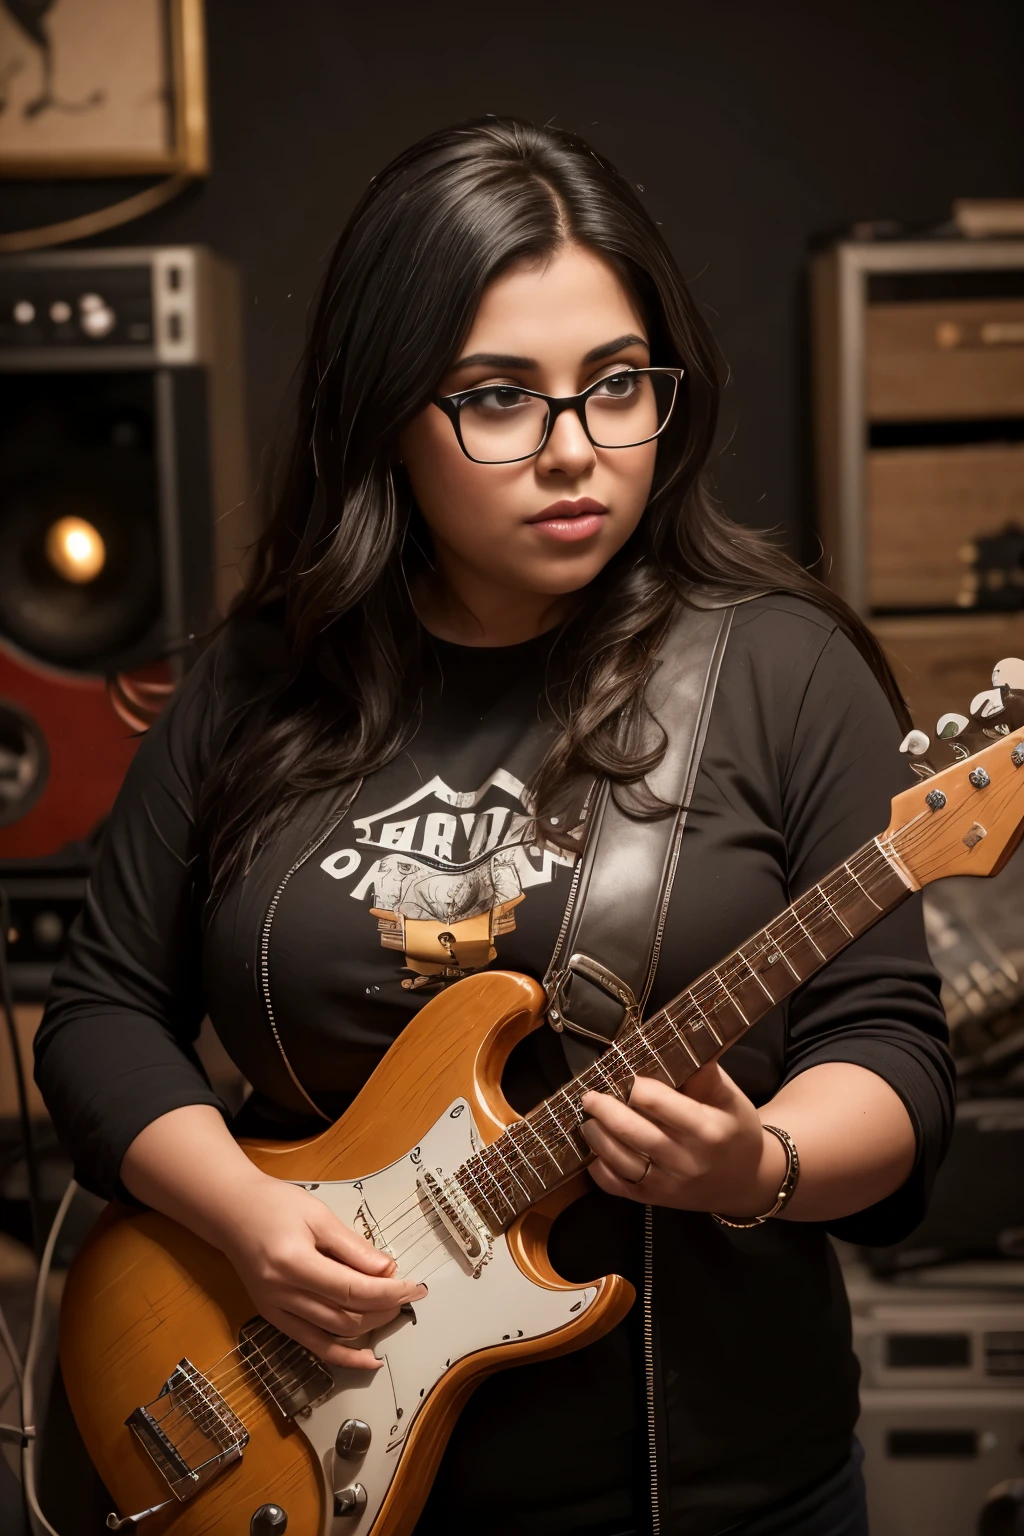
(145, 1295)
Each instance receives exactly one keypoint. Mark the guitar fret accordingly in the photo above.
(712, 1031)
(803, 930)
(489, 1209)
(617, 1049)
(834, 913)
(495, 1181)
(756, 977)
(568, 1133)
(521, 1152)
(732, 1000)
(548, 1151)
(495, 1146)
(863, 887)
(613, 1085)
(563, 1134)
(648, 1046)
(683, 1041)
(780, 950)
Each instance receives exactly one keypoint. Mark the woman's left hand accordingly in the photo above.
(699, 1148)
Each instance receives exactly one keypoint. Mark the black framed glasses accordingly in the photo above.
(505, 423)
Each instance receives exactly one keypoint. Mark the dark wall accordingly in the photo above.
(753, 126)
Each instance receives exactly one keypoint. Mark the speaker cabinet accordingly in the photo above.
(124, 523)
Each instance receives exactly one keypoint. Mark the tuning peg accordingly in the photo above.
(915, 744)
(948, 726)
(989, 702)
(1008, 673)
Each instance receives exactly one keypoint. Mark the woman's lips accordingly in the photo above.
(568, 521)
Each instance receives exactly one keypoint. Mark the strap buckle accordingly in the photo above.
(599, 976)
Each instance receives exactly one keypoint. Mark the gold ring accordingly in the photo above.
(646, 1171)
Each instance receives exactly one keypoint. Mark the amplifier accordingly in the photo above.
(942, 1392)
(932, 1456)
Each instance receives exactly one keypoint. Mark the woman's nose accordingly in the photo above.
(568, 450)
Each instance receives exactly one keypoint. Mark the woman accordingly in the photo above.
(446, 641)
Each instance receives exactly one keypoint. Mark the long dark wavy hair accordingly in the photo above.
(345, 540)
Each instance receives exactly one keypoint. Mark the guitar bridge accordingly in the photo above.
(189, 1413)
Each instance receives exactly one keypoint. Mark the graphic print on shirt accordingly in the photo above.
(443, 871)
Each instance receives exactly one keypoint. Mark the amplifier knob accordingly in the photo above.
(96, 317)
(353, 1439)
(268, 1520)
(350, 1500)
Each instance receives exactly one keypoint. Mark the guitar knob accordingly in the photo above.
(353, 1440)
(350, 1500)
(268, 1520)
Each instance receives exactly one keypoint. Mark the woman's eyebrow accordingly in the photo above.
(509, 360)
(609, 348)
(495, 360)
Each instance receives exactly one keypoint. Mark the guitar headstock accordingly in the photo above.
(967, 818)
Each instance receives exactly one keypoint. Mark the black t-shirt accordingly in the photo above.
(433, 864)
(436, 844)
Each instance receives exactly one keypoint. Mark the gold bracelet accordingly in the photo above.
(786, 1188)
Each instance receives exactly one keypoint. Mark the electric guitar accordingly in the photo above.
(202, 1417)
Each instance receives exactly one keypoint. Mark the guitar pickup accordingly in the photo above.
(458, 1219)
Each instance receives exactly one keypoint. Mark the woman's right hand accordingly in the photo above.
(306, 1272)
(310, 1275)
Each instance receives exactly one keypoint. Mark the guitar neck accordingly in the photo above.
(538, 1153)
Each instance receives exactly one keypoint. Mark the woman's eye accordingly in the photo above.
(619, 386)
(503, 397)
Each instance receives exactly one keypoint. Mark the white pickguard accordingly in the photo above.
(461, 1314)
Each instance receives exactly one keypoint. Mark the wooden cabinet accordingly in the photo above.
(959, 360)
(919, 425)
(923, 506)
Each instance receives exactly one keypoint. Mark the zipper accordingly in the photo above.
(652, 1437)
(268, 920)
(570, 900)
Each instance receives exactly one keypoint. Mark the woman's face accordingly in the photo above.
(547, 525)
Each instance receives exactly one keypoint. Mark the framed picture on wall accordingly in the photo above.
(102, 88)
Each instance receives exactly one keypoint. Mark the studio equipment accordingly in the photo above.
(124, 521)
(919, 406)
(942, 1395)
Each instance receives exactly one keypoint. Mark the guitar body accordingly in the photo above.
(145, 1295)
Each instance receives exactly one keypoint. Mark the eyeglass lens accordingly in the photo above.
(502, 424)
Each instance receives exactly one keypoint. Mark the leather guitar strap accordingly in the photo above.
(617, 911)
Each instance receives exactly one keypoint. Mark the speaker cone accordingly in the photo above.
(24, 762)
(79, 530)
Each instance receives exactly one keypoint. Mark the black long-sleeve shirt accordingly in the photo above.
(798, 769)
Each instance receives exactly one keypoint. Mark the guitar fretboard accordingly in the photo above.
(538, 1153)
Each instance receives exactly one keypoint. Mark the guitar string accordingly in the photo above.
(665, 1032)
(819, 906)
(714, 987)
(833, 886)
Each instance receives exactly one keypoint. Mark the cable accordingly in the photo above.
(24, 1118)
(25, 1374)
(28, 1465)
(87, 224)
